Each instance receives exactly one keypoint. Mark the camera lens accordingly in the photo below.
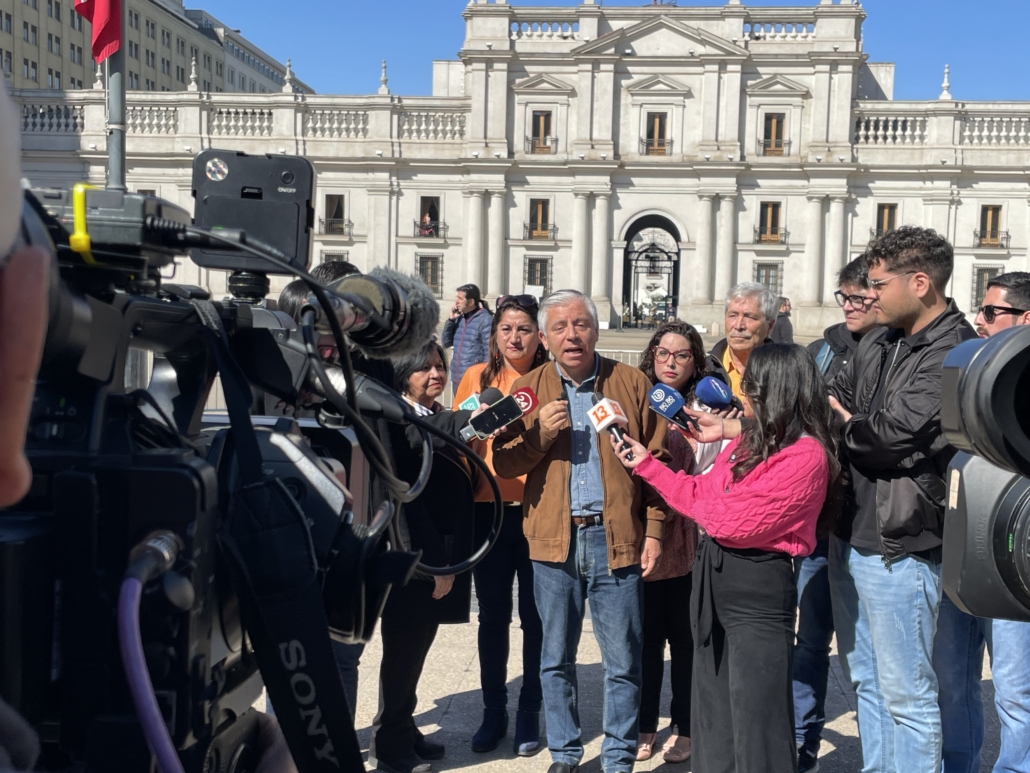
(288, 178)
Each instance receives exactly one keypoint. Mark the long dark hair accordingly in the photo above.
(495, 362)
(697, 349)
(788, 396)
(472, 293)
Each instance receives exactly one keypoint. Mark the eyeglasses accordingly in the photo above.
(525, 301)
(877, 285)
(856, 301)
(990, 312)
(683, 356)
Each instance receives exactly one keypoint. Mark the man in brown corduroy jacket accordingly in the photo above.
(593, 530)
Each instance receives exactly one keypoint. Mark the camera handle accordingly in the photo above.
(266, 541)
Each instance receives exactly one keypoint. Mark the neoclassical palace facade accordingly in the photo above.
(611, 149)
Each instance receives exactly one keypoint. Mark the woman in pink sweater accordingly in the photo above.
(759, 506)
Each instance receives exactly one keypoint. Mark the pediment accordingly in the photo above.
(661, 85)
(661, 36)
(777, 85)
(543, 84)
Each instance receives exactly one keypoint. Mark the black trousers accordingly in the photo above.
(495, 581)
(406, 642)
(742, 610)
(667, 619)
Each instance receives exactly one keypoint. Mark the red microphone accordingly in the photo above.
(527, 399)
(500, 414)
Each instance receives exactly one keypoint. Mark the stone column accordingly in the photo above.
(602, 248)
(811, 281)
(726, 254)
(495, 278)
(834, 247)
(703, 256)
(579, 278)
(474, 241)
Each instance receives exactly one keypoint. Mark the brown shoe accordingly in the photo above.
(645, 746)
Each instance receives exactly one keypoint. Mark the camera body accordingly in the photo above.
(985, 413)
(111, 468)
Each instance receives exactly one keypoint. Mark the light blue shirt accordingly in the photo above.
(586, 490)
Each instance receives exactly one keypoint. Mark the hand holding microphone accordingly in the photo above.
(608, 415)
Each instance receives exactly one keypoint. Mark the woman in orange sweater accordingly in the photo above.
(515, 349)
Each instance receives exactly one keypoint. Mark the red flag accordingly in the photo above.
(105, 16)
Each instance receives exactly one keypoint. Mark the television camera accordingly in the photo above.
(168, 563)
(985, 413)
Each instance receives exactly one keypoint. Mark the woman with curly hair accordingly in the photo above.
(515, 349)
(760, 505)
(675, 357)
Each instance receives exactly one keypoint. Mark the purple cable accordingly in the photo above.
(154, 728)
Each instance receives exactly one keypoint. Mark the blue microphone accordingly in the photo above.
(668, 402)
(713, 393)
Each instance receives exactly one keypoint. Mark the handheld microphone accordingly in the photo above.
(501, 412)
(384, 313)
(668, 402)
(714, 394)
(608, 415)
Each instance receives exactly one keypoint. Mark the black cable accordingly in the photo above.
(495, 532)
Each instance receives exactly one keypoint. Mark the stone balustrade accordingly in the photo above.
(51, 117)
(544, 30)
(772, 31)
(890, 129)
(996, 130)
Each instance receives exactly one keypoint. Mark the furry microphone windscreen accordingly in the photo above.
(490, 396)
(423, 315)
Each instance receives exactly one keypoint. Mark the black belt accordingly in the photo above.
(587, 520)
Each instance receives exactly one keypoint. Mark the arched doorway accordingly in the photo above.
(651, 269)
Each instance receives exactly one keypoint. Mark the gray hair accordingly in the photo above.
(564, 298)
(768, 301)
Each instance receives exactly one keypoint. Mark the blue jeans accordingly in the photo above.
(885, 619)
(958, 659)
(812, 650)
(616, 601)
(348, 657)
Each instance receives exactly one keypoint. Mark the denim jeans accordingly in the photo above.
(348, 657)
(616, 610)
(885, 619)
(495, 584)
(958, 659)
(812, 650)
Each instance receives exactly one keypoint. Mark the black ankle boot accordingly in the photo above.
(527, 733)
(493, 729)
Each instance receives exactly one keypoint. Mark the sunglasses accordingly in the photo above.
(990, 312)
(525, 301)
(856, 301)
(877, 285)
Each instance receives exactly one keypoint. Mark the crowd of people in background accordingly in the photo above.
(812, 507)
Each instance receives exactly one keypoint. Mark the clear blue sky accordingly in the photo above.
(337, 45)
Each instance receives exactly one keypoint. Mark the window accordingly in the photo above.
(33, 36)
(151, 30)
(7, 23)
(981, 276)
(990, 233)
(538, 274)
(49, 78)
(657, 142)
(335, 220)
(50, 43)
(57, 45)
(50, 8)
(57, 10)
(166, 38)
(134, 80)
(25, 68)
(194, 53)
(769, 230)
(428, 224)
(430, 268)
(180, 46)
(774, 143)
(540, 219)
(770, 275)
(149, 84)
(151, 59)
(207, 62)
(8, 62)
(25, 31)
(205, 85)
(134, 20)
(57, 79)
(328, 256)
(33, 72)
(166, 66)
(218, 69)
(542, 140)
(886, 219)
(76, 21)
(231, 77)
(134, 50)
(180, 74)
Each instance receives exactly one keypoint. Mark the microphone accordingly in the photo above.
(384, 313)
(669, 403)
(608, 415)
(714, 394)
(501, 412)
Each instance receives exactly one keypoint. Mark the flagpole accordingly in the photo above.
(116, 110)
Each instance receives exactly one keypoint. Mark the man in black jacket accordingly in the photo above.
(885, 561)
(783, 330)
(815, 611)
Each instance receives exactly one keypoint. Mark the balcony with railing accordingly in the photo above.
(773, 147)
(992, 239)
(655, 147)
(335, 226)
(430, 229)
(544, 232)
(771, 235)
(541, 146)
